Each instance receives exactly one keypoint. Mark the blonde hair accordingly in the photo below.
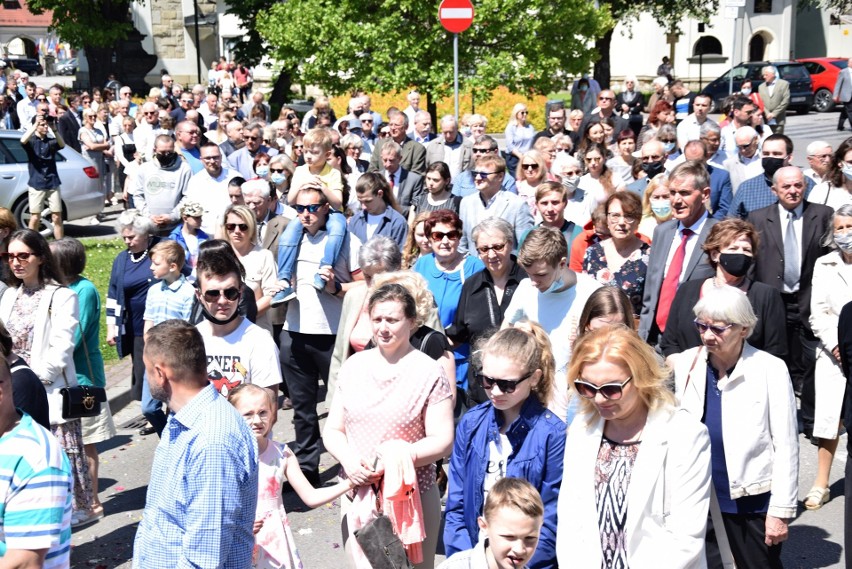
(411, 250)
(537, 157)
(515, 493)
(171, 252)
(237, 393)
(416, 285)
(244, 213)
(658, 181)
(513, 119)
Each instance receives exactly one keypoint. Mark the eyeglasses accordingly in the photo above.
(149, 113)
(506, 386)
(211, 158)
(310, 208)
(229, 293)
(481, 175)
(616, 217)
(821, 156)
(451, 235)
(481, 150)
(277, 170)
(191, 132)
(186, 101)
(367, 120)
(529, 166)
(498, 248)
(652, 158)
(252, 137)
(384, 134)
(611, 391)
(523, 112)
(716, 330)
(23, 258)
(232, 226)
(606, 98)
(41, 99)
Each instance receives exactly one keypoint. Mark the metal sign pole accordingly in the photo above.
(456, 73)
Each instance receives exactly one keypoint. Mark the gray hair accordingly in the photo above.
(259, 186)
(380, 251)
(666, 130)
(421, 113)
(708, 127)
(478, 118)
(843, 211)
(816, 145)
(726, 304)
(489, 139)
(770, 68)
(745, 131)
(661, 81)
(449, 120)
(255, 126)
(283, 159)
(352, 140)
(495, 225)
(136, 222)
(391, 146)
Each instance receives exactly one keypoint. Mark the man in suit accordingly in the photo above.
(483, 145)
(785, 261)
(677, 245)
(405, 185)
(69, 124)
(491, 201)
(843, 95)
(775, 94)
(413, 154)
(451, 148)
(720, 181)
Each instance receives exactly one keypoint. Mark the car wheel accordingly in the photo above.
(21, 211)
(823, 101)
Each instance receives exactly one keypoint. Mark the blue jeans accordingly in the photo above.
(152, 408)
(288, 244)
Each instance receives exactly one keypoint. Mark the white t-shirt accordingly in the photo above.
(261, 275)
(246, 355)
(373, 222)
(212, 193)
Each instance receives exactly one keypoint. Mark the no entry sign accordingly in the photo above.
(456, 15)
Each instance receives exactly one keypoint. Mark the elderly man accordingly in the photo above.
(209, 111)
(410, 111)
(413, 154)
(742, 110)
(161, 185)
(653, 163)
(819, 157)
(234, 140)
(711, 136)
(145, 133)
(187, 135)
(422, 130)
(744, 162)
(124, 94)
(202, 496)
(366, 104)
(690, 127)
(843, 95)
(451, 148)
(606, 110)
(209, 187)
(406, 186)
(775, 94)
(242, 160)
(484, 145)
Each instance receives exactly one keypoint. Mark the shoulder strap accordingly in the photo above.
(425, 339)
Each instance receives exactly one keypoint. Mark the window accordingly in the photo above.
(762, 6)
(707, 45)
(793, 72)
(813, 67)
(14, 149)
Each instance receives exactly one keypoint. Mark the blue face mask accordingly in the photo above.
(661, 208)
(262, 171)
(557, 283)
(80, 109)
(668, 147)
(278, 178)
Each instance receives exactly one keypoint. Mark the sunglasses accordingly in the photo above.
(506, 386)
(652, 158)
(232, 226)
(610, 391)
(606, 98)
(717, 330)
(252, 137)
(384, 134)
(439, 235)
(310, 208)
(746, 146)
(529, 166)
(498, 248)
(298, 146)
(366, 120)
(21, 257)
(277, 170)
(523, 112)
(229, 293)
(481, 175)
(481, 150)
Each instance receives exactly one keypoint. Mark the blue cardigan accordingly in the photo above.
(538, 442)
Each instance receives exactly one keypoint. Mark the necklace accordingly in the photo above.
(133, 259)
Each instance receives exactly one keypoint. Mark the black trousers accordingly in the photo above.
(745, 536)
(138, 367)
(801, 359)
(305, 359)
(845, 113)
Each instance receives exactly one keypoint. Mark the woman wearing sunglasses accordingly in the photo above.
(446, 269)
(636, 484)
(512, 434)
(519, 136)
(745, 398)
(532, 171)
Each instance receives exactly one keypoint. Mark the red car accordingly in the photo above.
(824, 71)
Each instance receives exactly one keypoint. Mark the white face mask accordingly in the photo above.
(847, 171)
(844, 241)
(746, 91)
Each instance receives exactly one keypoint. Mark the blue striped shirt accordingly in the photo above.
(202, 496)
(36, 491)
(167, 301)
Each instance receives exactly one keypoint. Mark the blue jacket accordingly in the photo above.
(538, 442)
(176, 235)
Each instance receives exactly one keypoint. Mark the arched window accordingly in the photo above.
(707, 45)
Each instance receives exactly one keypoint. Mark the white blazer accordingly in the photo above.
(759, 426)
(52, 354)
(667, 500)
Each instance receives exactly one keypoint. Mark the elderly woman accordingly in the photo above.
(731, 246)
(616, 510)
(486, 294)
(631, 102)
(836, 189)
(41, 316)
(353, 145)
(129, 281)
(477, 124)
(667, 134)
(656, 205)
(446, 269)
(832, 289)
(621, 260)
(745, 398)
(519, 135)
(241, 232)
(281, 170)
(406, 419)
(623, 163)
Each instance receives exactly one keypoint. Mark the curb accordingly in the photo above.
(118, 384)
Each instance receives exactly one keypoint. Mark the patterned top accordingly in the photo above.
(274, 546)
(396, 407)
(35, 493)
(22, 321)
(612, 479)
(630, 278)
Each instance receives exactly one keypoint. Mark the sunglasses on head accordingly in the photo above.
(232, 226)
(611, 391)
(229, 293)
(22, 257)
(506, 386)
(439, 235)
(310, 208)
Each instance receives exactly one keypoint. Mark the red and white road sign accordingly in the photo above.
(456, 15)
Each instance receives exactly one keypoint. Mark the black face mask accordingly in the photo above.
(735, 264)
(652, 169)
(215, 320)
(771, 165)
(167, 159)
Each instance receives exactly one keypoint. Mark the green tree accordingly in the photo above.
(530, 46)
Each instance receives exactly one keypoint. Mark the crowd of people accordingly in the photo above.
(588, 346)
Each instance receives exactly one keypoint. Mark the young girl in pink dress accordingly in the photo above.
(274, 546)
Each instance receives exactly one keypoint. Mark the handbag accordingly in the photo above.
(82, 400)
(381, 546)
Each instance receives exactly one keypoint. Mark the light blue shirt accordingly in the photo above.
(168, 301)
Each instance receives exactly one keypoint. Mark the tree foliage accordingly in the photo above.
(97, 23)
(382, 45)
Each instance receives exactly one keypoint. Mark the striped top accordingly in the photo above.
(35, 487)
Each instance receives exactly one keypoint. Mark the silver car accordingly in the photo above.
(80, 191)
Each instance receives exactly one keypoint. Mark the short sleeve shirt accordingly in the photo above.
(246, 355)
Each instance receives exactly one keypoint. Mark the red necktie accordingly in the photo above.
(670, 282)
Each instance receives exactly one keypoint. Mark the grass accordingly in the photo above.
(100, 253)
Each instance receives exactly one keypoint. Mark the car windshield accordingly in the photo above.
(841, 63)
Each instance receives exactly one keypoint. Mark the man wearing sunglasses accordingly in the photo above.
(242, 160)
(144, 134)
(484, 145)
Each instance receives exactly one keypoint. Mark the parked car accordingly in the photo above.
(66, 66)
(801, 87)
(824, 72)
(28, 66)
(80, 191)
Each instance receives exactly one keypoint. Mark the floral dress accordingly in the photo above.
(630, 278)
(274, 546)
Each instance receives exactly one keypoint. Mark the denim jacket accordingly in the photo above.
(538, 445)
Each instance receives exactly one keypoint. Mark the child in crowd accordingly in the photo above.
(169, 297)
(317, 170)
(511, 435)
(189, 234)
(274, 546)
(510, 525)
